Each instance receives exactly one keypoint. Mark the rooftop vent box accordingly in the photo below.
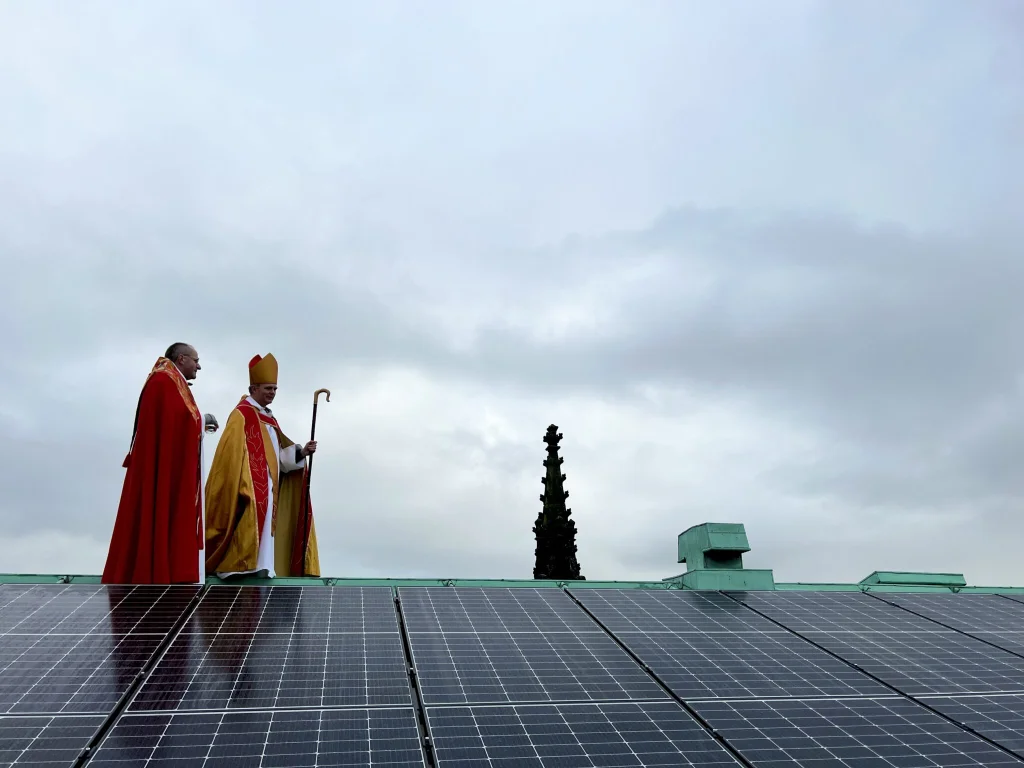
(713, 545)
(713, 553)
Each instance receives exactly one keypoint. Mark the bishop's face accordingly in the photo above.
(263, 393)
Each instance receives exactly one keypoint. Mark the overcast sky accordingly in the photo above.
(760, 262)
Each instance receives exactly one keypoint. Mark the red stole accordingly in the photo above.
(255, 447)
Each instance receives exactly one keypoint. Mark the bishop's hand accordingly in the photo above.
(309, 448)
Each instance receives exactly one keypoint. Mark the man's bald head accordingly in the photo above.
(185, 359)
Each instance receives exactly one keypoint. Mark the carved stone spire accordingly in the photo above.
(555, 532)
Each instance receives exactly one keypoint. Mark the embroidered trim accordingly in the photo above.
(257, 462)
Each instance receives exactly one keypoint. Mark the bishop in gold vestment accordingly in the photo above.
(254, 493)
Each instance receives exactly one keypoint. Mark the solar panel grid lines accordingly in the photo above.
(299, 609)
(382, 738)
(678, 611)
(556, 735)
(747, 665)
(935, 662)
(999, 717)
(526, 667)
(963, 612)
(246, 648)
(77, 649)
(756, 659)
(473, 645)
(44, 674)
(83, 609)
(834, 612)
(45, 741)
(885, 732)
(491, 609)
(1008, 641)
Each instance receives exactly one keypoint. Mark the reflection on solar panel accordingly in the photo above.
(467, 609)
(546, 736)
(1010, 641)
(54, 674)
(623, 610)
(297, 676)
(523, 667)
(283, 647)
(857, 733)
(834, 612)
(967, 613)
(288, 610)
(256, 670)
(82, 609)
(45, 741)
(754, 665)
(1000, 718)
(737, 654)
(76, 649)
(935, 662)
(386, 738)
(475, 646)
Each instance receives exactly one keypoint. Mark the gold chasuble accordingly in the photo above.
(255, 494)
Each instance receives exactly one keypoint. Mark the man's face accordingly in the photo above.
(263, 393)
(188, 364)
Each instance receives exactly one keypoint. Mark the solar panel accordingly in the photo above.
(1000, 718)
(965, 612)
(468, 668)
(54, 674)
(283, 647)
(944, 662)
(855, 733)
(290, 609)
(553, 736)
(623, 610)
(78, 648)
(706, 645)
(473, 646)
(86, 608)
(382, 738)
(471, 609)
(833, 612)
(1009, 641)
(45, 741)
(748, 664)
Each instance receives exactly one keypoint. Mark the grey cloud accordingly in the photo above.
(354, 192)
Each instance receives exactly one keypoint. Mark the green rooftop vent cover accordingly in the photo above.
(912, 579)
(713, 553)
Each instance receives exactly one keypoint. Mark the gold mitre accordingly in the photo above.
(263, 370)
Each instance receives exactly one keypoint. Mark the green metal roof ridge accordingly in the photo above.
(16, 578)
(39, 578)
(861, 587)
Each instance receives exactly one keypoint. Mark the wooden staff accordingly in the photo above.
(309, 471)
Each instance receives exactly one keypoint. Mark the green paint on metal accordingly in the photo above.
(909, 578)
(713, 545)
(713, 553)
(746, 579)
(683, 581)
(370, 582)
(48, 578)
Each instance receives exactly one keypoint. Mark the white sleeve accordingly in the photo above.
(290, 459)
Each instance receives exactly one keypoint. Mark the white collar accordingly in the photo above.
(258, 406)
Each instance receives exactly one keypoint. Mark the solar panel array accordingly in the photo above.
(445, 677)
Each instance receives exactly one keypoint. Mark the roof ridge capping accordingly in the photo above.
(713, 553)
(914, 579)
